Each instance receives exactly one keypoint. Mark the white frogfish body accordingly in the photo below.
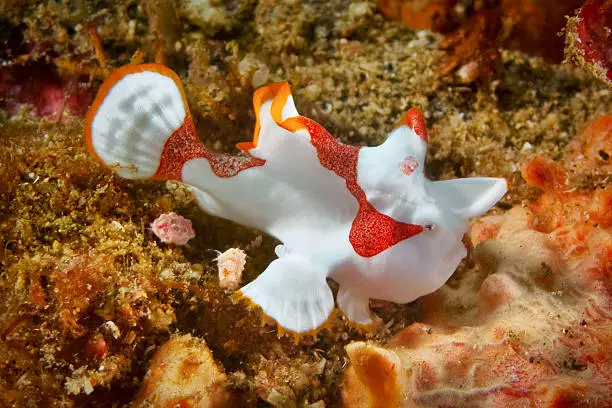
(366, 217)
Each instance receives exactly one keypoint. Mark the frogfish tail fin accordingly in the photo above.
(140, 125)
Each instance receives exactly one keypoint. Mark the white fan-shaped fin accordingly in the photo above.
(294, 292)
(134, 120)
(356, 308)
(468, 197)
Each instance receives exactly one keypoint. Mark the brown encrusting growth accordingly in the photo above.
(89, 295)
(475, 30)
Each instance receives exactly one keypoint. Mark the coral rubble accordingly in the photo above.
(172, 228)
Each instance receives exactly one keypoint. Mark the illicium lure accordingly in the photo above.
(366, 217)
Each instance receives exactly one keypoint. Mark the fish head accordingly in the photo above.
(393, 179)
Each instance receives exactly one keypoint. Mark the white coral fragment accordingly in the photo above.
(231, 264)
(172, 228)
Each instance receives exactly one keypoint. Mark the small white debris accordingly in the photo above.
(118, 225)
(172, 228)
(260, 76)
(527, 146)
(167, 275)
(231, 264)
(195, 272)
(79, 384)
(317, 404)
(257, 71)
(468, 73)
(359, 11)
(111, 328)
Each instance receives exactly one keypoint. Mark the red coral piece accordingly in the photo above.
(545, 174)
(593, 148)
(40, 85)
(595, 33)
(36, 293)
(437, 15)
(97, 348)
(473, 48)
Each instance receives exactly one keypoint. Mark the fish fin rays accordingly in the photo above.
(137, 110)
(469, 197)
(294, 292)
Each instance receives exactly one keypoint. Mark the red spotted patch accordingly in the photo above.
(372, 232)
(184, 145)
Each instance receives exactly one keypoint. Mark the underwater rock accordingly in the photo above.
(593, 149)
(530, 323)
(436, 15)
(183, 373)
(75, 283)
(472, 49)
(216, 16)
(374, 378)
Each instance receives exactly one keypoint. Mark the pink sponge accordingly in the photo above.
(172, 228)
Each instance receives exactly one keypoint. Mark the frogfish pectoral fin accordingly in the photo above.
(356, 308)
(294, 292)
(139, 123)
(469, 197)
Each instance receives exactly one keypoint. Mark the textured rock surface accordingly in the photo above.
(183, 373)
